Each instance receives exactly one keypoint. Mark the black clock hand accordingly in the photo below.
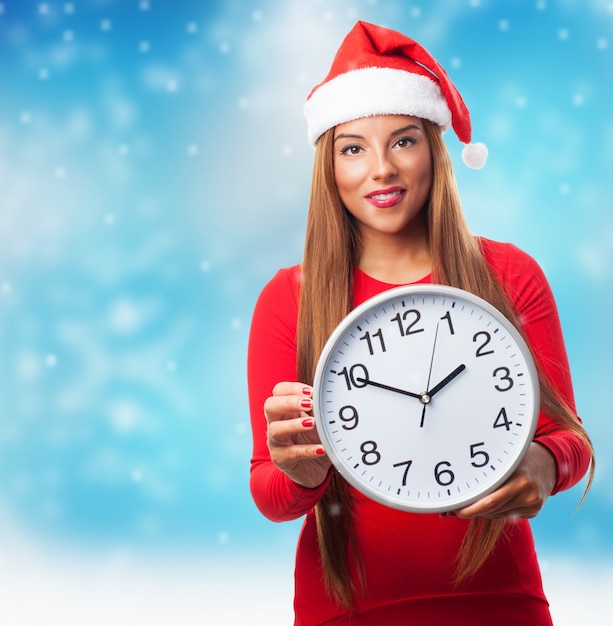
(426, 398)
(458, 370)
(367, 381)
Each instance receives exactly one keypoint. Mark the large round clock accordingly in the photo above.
(426, 398)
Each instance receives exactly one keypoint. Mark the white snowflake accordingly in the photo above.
(578, 99)
(521, 102)
(504, 25)
(223, 538)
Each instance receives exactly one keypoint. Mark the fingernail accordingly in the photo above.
(308, 422)
(320, 451)
(306, 403)
(307, 391)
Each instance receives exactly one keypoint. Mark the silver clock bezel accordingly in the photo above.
(322, 366)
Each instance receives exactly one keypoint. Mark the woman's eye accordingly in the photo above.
(351, 149)
(405, 142)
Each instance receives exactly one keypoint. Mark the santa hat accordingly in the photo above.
(378, 71)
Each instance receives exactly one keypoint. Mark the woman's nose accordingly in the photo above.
(383, 166)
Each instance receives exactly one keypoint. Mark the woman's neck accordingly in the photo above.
(395, 260)
(396, 267)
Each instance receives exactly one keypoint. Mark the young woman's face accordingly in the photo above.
(383, 172)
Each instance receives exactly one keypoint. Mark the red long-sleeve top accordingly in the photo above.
(409, 559)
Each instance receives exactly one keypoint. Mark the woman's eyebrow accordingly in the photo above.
(348, 136)
(405, 128)
(394, 133)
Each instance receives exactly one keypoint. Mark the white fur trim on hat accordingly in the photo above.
(374, 91)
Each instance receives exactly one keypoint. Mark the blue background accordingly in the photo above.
(154, 174)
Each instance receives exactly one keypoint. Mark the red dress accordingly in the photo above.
(409, 558)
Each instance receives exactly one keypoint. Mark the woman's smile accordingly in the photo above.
(384, 199)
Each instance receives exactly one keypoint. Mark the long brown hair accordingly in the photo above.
(332, 247)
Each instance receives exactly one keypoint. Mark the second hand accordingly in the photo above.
(426, 398)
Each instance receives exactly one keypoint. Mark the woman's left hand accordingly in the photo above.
(524, 494)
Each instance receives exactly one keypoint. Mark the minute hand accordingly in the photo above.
(366, 381)
(458, 370)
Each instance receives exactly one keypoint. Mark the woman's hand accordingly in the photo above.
(524, 494)
(292, 440)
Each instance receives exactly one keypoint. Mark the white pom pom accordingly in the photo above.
(475, 155)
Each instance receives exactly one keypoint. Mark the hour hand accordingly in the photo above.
(458, 370)
(367, 381)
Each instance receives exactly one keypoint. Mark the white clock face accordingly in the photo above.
(426, 398)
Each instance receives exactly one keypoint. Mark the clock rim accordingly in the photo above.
(372, 303)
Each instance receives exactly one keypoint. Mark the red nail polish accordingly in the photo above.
(320, 451)
(305, 404)
(308, 422)
(307, 391)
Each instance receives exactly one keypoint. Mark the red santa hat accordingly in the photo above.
(378, 71)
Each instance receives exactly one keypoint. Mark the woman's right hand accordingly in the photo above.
(292, 438)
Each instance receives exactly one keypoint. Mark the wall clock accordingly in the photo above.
(426, 398)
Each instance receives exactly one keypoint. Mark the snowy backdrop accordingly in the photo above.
(154, 174)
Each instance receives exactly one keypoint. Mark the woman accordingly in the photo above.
(385, 211)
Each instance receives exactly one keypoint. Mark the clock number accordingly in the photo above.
(485, 341)
(368, 339)
(507, 377)
(502, 421)
(370, 455)
(351, 420)
(350, 376)
(406, 471)
(444, 477)
(447, 317)
(408, 330)
(485, 457)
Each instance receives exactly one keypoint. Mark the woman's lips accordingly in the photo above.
(386, 198)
